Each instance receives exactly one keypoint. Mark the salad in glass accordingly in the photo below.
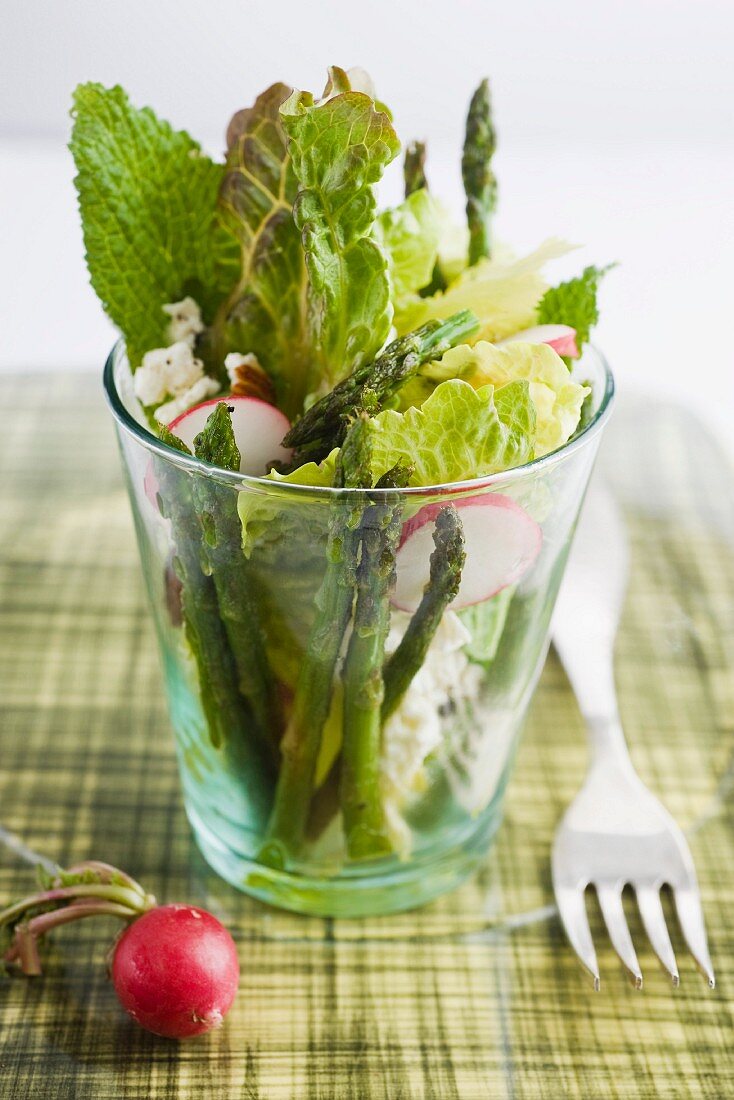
(356, 442)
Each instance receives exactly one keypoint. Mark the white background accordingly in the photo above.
(616, 127)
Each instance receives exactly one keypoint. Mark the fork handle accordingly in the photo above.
(591, 672)
(607, 742)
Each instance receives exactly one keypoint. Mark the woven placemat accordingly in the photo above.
(474, 996)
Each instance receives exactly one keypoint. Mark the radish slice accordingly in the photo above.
(151, 485)
(562, 338)
(258, 430)
(502, 542)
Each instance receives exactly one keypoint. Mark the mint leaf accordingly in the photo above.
(147, 198)
(339, 149)
(264, 313)
(573, 303)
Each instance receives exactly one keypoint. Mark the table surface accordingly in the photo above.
(476, 995)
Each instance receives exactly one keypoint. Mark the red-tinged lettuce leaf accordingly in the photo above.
(339, 149)
(148, 199)
(264, 313)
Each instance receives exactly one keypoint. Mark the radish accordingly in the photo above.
(151, 486)
(175, 971)
(174, 968)
(258, 429)
(502, 542)
(562, 338)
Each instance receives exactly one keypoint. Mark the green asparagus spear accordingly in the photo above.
(324, 425)
(361, 798)
(414, 167)
(447, 562)
(480, 183)
(224, 709)
(216, 506)
(312, 698)
(414, 175)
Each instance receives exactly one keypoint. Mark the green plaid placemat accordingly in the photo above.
(474, 996)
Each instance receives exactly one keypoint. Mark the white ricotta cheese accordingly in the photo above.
(172, 372)
(414, 729)
(186, 322)
(203, 388)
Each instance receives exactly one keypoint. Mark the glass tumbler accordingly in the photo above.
(327, 766)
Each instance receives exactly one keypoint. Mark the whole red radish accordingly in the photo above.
(175, 970)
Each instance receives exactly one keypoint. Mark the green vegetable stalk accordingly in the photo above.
(414, 167)
(216, 506)
(364, 818)
(312, 699)
(447, 562)
(480, 183)
(414, 176)
(324, 425)
(224, 708)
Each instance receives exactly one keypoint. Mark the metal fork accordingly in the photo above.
(615, 833)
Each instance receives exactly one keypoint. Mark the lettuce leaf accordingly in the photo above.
(339, 149)
(574, 303)
(555, 395)
(409, 235)
(457, 434)
(264, 313)
(485, 622)
(453, 244)
(147, 198)
(258, 510)
(502, 292)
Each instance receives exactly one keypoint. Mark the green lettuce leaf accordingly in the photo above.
(485, 622)
(573, 303)
(557, 398)
(257, 510)
(355, 79)
(453, 244)
(457, 434)
(147, 198)
(409, 235)
(339, 149)
(502, 292)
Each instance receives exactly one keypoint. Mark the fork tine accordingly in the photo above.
(653, 918)
(572, 907)
(610, 901)
(690, 917)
